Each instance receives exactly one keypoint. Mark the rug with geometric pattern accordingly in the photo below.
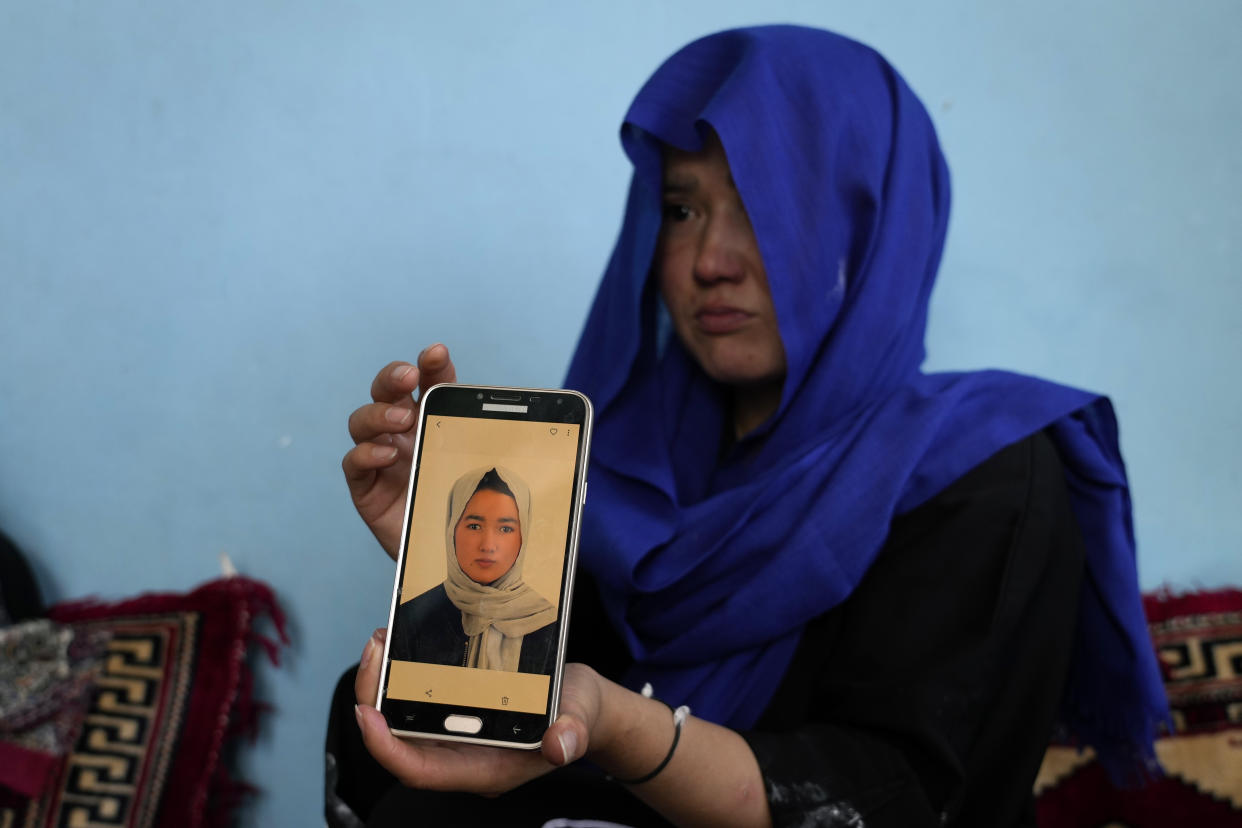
(1198, 639)
(172, 690)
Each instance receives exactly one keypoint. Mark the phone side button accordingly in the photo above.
(463, 724)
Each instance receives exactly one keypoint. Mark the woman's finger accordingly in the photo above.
(374, 419)
(569, 736)
(362, 461)
(366, 683)
(435, 366)
(395, 383)
(565, 741)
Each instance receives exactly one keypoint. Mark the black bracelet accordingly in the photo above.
(679, 717)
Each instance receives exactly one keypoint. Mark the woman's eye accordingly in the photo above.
(676, 212)
(474, 526)
(505, 530)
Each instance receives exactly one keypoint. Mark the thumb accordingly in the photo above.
(566, 740)
(569, 736)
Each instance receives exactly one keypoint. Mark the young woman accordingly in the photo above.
(876, 589)
(483, 615)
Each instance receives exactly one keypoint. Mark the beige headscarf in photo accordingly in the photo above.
(498, 615)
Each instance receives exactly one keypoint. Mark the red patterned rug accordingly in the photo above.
(1198, 639)
(173, 687)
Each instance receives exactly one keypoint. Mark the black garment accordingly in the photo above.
(933, 689)
(926, 698)
(429, 629)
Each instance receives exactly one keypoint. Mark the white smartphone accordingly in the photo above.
(480, 605)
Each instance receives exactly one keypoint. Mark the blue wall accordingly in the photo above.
(218, 220)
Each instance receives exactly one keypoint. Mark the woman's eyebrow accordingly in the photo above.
(680, 183)
(507, 520)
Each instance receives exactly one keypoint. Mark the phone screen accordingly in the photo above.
(475, 639)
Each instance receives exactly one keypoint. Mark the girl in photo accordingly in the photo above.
(483, 615)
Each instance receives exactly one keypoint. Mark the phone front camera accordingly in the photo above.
(479, 396)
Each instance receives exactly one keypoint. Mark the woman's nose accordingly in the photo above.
(719, 256)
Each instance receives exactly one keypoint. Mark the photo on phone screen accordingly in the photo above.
(476, 636)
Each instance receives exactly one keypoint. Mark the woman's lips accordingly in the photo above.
(484, 563)
(721, 319)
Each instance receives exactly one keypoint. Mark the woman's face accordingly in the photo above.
(488, 536)
(711, 274)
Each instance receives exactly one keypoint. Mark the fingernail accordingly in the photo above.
(438, 350)
(401, 371)
(367, 652)
(384, 452)
(398, 415)
(358, 716)
(569, 745)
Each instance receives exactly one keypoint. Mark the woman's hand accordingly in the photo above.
(453, 766)
(377, 468)
(712, 778)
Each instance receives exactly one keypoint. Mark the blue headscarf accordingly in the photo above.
(710, 567)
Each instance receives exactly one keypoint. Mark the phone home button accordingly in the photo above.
(463, 724)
